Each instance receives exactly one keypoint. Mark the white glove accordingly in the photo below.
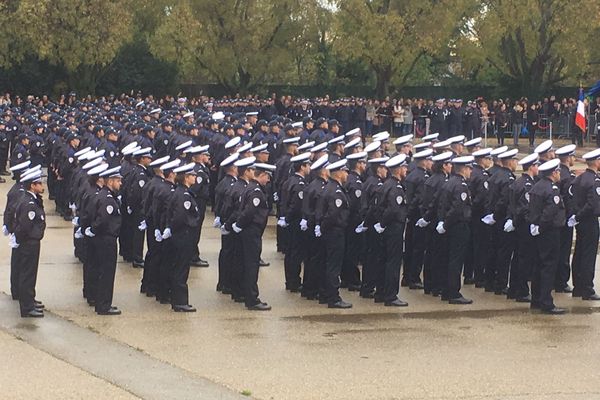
(157, 236)
(129, 210)
(217, 222)
(12, 241)
(78, 234)
(282, 223)
(379, 228)
(303, 225)
(5, 231)
(361, 228)
(275, 197)
(236, 228)
(488, 219)
(166, 233)
(572, 221)
(421, 223)
(440, 228)
(318, 231)
(508, 226)
(75, 221)
(224, 231)
(73, 207)
(534, 230)
(142, 226)
(88, 232)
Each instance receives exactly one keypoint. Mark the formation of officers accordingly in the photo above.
(429, 216)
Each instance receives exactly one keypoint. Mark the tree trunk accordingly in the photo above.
(383, 75)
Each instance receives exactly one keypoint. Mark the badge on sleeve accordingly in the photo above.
(556, 199)
(187, 204)
(256, 201)
(70, 160)
(112, 153)
(357, 193)
(338, 203)
(109, 209)
(141, 183)
(527, 197)
(486, 185)
(399, 200)
(42, 217)
(463, 196)
(597, 191)
(301, 195)
(19, 155)
(199, 180)
(166, 142)
(31, 215)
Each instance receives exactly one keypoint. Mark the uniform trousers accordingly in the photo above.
(506, 248)
(481, 243)
(137, 241)
(354, 245)
(388, 279)
(374, 256)
(421, 237)
(547, 245)
(407, 252)
(106, 246)
(428, 276)
(90, 271)
(334, 239)
(294, 255)
(458, 241)
(314, 265)
(28, 261)
(151, 261)
(166, 250)
(14, 273)
(126, 235)
(201, 211)
(439, 262)
(563, 272)
(251, 239)
(526, 256)
(226, 258)
(183, 243)
(237, 266)
(584, 258)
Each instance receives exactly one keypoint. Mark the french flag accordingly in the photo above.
(580, 116)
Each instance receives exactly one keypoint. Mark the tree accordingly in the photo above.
(534, 45)
(83, 36)
(392, 36)
(239, 44)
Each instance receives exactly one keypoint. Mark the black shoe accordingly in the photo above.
(198, 262)
(534, 306)
(183, 308)
(489, 289)
(511, 296)
(416, 286)
(444, 298)
(436, 293)
(238, 299)
(526, 299)
(469, 281)
(142, 289)
(38, 304)
(164, 301)
(353, 288)
(259, 307)
(138, 263)
(204, 263)
(460, 300)
(396, 303)
(219, 287)
(35, 313)
(576, 293)
(367, 295)
(91, 302)
(15, 297)
(479, 285)
(110, 311)
(312, 297)
(591, 297)
(340, 304)
(566, 289)
(150, 293)
(554, 311)
(500, 292)
(226, 290)
(263, 263)
(427, 291)
(379, 300)
(295, 289)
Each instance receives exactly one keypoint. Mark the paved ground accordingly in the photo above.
(493, 349)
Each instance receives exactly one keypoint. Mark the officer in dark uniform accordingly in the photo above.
(454, 221)
(546, 217)
(519, 210)
(391, 226)
(126, 233)
(350, 276)
(139, 177)
(438, 116)
(415, 186)
(4, 147)
(104, 230)
(566, 155)
(201, 192)
(290, 214)
(21, 150)
(586, 210)
(28, 231)
(282, 173)
(315, 259)
(318, 135)
(182, 221)
(222, 199)
(331, 220)
(336, 148)
(250, 224)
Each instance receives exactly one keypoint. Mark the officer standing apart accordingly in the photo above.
(546, 217)
(29, 227)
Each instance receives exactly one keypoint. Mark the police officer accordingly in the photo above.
(331, 220)
(391, 226)
(566, 155)
(546, 217)
(21, 150)
(139, 177)
(182, 221)
(28, 231)
(201, 192)
(586, 210)
(290, 211)
(454, 221)
(478, 186)
(250, 224)
(104, 230)
(519, 211)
